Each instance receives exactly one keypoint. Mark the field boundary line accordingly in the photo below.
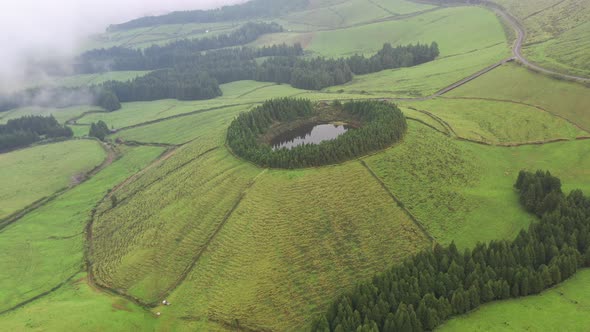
(524, 104)
(256, 89)
(385, 9)
(163, 157)
(74, 121)
(212, 237)
(399, 203)
(446, 125)
(17, 215)
(116, 131)
(39, 296)
(427, 125)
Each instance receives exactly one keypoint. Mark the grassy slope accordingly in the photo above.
(297, 240)
(512, 82)
(46, 246)
(557, 32)
(236, 93)
(201, 126)
(59, 163)
(499, 122)
(174, 217)
(565, 307)
(78, 307)
(463, 191)
(461, 55)
(445, 26)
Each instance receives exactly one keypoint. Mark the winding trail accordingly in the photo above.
(521, 37)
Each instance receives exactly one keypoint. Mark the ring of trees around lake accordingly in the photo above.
(377, 125)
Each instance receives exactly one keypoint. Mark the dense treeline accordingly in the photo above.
(248, 10)
(394, 57)
(383, 125)
(24, 131)
(164, 84)
(169, 55)
(434, 285)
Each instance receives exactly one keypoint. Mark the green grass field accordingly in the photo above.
(562, 308)
(296, 241)
(205, 126)
(462, 191)
(445, 26)
(78, 307)
(499, 122)
(514, 83)
(46, 246)
(62, 164)
(557, 32)
(173, 217)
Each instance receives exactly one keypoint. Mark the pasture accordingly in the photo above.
(296, 241)
(62, 165)
(514, 83)
(184, 208)
(77, 306)
(463, 191)
(206, 126)
(46, 246)
(568, 301)
(236, 247)
(498, 122)
(557, 32)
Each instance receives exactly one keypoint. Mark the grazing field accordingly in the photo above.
(514, 83)
(445, 26)
(62, 164)
(563, 308)
(174, 217)
(414, 114)
(46, 246)
(205, 126)
(243, 93)
(296, 241)
(462, 191)
(499, 122)
(60, 114)
(78, 307)
(568, 53)
(425, 79)
(159, 35)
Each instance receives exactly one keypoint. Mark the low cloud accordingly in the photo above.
(35, 32)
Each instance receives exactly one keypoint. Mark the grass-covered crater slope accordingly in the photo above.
(377, 126)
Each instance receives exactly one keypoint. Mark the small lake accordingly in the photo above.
(308, 134)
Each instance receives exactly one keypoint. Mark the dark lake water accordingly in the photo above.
(308, 134)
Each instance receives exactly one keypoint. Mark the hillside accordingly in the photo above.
(166, 210)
